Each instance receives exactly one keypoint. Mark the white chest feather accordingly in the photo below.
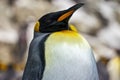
(68, 57)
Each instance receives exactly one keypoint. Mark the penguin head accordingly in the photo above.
(56, 21)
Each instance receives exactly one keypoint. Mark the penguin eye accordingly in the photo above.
(37, 27)
(48, 21)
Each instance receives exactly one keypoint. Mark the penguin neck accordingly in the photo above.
(36, 34)
(55, 28)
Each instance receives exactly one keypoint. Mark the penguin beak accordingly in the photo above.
(69, 12)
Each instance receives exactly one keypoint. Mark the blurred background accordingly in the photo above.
(98, 21)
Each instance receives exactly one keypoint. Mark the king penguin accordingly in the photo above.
(58, 51)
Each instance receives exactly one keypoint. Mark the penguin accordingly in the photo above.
(58, 51)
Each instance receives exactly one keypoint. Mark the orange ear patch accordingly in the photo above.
(37, 26)
(64, 16)
(72, 27)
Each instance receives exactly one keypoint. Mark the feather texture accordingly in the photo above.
(68, 57)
